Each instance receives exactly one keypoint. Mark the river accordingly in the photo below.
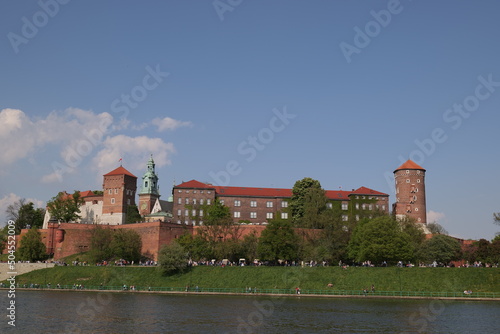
(91, 312)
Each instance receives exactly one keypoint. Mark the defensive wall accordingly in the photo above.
(65, 239)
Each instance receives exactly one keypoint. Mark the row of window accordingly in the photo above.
(372, 197)
(236, 203)
(344, 205)
(127, 191)
(194, 201)
(408, 181)
(369, 206)
(253, 204)
(194, 191)
(236, 214)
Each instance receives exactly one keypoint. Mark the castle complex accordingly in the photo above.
(163, 221)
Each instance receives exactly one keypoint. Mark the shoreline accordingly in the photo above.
(260, 294)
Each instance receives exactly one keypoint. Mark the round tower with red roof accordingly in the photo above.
(410, 192)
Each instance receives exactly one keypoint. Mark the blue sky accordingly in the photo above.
(254, 93)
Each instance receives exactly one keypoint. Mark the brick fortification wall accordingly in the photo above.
(66, 239)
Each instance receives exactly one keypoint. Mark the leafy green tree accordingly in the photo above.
(65, 207)
(380, 239)
(441, 248)
(32, 248)
(414, 231)
(173, 259)
(133, 215)
(126, 244)
(249, 246)
(195, 245)
(334, 238)
(100, 244)
(278, 241)
(307, 202)
(25, 215)
(219, 231)
(436, 228)
(496, 219)
(495, 250)
(4, 237)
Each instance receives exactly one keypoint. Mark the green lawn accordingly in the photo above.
(384, 279)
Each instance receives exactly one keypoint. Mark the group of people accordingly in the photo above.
(365, 291)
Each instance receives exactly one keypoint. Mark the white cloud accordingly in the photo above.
(75, 131)
(16, 136)
(435, 217)
(11, 198)
(168, 123)
(135, 152)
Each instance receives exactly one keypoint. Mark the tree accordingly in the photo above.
(196, 246)
(133, 215)
(249, 246)
(25, 215)
(414, 231)
(278, 241)
(334, 238)
(32, 248)
(219, 231)
(380, 239)
(307, 191)
(496, 218)
(126, 244)
(495, 250)
(436, 228)
(172, 259)
(100, 244)
(65, 207)
(4, 233)
(441, 248)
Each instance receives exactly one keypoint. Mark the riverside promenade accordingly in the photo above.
(21, 268)
(274, 293)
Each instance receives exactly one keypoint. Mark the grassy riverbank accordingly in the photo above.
(384, 279)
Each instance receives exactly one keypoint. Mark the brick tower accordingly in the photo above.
(410, 192)
(119, 187)
(149, 192)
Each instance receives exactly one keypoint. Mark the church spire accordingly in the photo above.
(150, 179)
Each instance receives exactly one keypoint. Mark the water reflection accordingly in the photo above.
(89, 312)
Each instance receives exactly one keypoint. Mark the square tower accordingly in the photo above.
(119, 188)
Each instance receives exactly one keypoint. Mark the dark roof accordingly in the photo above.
(273, 192)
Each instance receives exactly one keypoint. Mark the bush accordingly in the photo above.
(172, 259)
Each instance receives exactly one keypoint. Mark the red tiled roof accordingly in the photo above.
(120, 171)
(195, 184)
(367, 191)
(273, 192)
(338, 194)
(253, 192)
(86, 193)
(409, 164)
